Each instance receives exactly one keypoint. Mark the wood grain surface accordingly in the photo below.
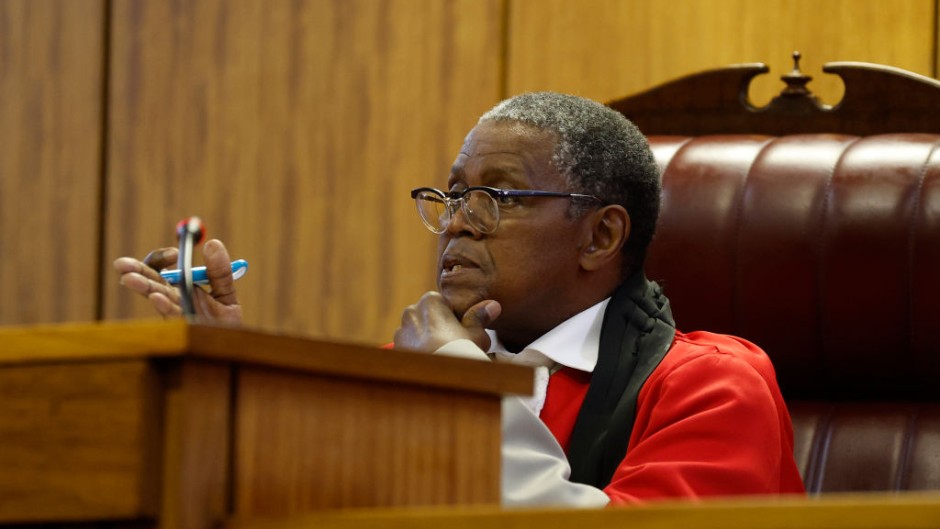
(296, 130)
(51, 52)
(868, 511)
(354, 361)
(78, 442)
(237, 421)
(137, 340)
(316, 442)
(196, 474)
(606, 49)
(82, 342)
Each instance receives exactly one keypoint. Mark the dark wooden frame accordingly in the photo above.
(878, 99)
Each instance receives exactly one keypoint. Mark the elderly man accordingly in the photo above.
(543, 228)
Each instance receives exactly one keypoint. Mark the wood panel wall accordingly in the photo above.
(51, 54)
(604, 49)
(296, 131)
(296, 128)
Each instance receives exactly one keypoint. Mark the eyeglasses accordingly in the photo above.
(480, 205)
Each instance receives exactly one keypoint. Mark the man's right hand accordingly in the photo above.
(431, 323)
(220, 305)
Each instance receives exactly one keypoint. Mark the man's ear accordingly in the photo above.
(604, 237)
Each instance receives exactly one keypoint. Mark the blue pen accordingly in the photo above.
(173, 277)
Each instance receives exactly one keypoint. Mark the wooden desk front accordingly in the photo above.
(187, 425)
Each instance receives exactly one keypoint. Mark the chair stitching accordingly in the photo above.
(821, 252)
(738, 222)
(902, 479)
(918, 199)
(820, 452)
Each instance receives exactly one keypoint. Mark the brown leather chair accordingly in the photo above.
(814, 232)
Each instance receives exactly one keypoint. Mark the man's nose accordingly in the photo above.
(459, 223)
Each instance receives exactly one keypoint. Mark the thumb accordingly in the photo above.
(219, 271)
(482, 314)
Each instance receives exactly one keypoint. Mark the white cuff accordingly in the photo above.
(462, 348)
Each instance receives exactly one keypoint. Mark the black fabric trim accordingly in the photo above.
(636, 334)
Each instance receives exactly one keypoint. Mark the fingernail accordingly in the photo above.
(492, 310)
(156, 256)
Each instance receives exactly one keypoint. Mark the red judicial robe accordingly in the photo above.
(710, 421)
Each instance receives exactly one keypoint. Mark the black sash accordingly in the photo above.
(637, 332)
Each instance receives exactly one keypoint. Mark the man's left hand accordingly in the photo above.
(431, 323)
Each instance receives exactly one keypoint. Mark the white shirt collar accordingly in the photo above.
(572, 343)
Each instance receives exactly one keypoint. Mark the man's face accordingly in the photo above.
(530, 263)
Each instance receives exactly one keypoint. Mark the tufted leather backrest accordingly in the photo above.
(814, 232)
(825, 250)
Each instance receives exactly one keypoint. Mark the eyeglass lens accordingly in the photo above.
(479, 207)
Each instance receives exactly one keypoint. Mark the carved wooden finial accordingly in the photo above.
(796, 80)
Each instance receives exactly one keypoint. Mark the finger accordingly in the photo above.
(408, 314)
(126, 265)
(166, 307)
(162, 258)
(201, 301)
(481, 315)
(409, 334)
(216, 312)
(219, 272)
(432, 302)
(399, 339)
(205, 305)
(146, 286)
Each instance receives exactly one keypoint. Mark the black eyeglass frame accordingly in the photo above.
(452, 197)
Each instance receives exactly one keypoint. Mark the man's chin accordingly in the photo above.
(460, 302)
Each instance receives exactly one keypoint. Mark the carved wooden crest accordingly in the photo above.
(878, 99)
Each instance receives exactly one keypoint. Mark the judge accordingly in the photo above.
(543, 226)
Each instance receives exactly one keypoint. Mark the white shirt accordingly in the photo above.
(573, 343)
(535, 469)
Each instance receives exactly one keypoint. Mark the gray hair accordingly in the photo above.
(599, 152)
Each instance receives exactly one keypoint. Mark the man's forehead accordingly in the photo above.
(510, 138)
(459, 169)
(508, 153)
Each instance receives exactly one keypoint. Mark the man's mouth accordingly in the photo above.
(454, 264)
